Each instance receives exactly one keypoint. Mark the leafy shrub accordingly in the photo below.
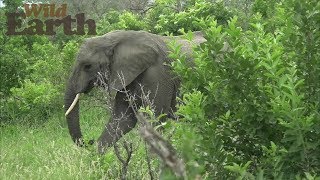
(248, 97)
(129, 21)
(116, 21)
(68, 55)
(12, 66)
(40, 92)
(190, 19)
(47, 65)
(14, 60)
(33, 101)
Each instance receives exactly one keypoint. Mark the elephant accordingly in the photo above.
(132, 59)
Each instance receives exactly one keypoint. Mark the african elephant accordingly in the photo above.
(133, 59)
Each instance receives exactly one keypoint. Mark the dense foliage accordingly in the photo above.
(254, 95)
(249, 107)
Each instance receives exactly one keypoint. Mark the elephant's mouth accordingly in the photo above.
(89, 87)
(86, 90)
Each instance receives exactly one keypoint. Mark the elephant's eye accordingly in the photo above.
(87, 67)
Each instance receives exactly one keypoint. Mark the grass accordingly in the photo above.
(47, 152)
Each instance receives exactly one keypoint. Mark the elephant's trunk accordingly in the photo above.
(73, 116)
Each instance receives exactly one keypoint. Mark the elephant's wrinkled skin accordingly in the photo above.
(139, 58)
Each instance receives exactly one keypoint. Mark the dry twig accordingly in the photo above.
(162, 148)
(124, 161)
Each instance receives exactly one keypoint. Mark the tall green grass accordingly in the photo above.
(46, 151)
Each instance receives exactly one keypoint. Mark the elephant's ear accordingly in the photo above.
(129, 60)
(130, 53)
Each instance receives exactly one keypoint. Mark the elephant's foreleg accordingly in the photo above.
(122, 121)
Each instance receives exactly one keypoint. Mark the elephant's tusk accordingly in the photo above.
(73, 104)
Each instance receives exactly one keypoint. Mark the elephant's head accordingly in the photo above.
(122, 54)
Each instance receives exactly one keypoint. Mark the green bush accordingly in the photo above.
(252, 100)
(190, 19)
(34, 102)
(68, 55)
(39, 93)
(14, 60)
(115, 20)
(13, 65)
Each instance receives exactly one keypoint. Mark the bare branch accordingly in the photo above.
(162, 148)
(148, 162)
(124, 162)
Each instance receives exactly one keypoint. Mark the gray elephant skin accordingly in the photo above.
(133, 59)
